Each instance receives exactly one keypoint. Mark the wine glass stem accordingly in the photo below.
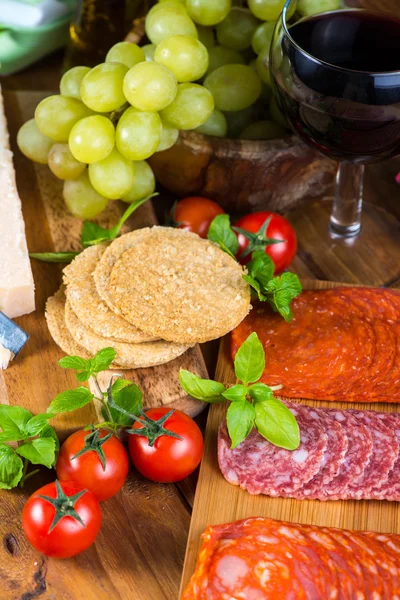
(347, 202)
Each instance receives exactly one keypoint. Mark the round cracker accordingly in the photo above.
(55, 317)
(129, 356)
(86, 303)
(179, 287)
(102, 273)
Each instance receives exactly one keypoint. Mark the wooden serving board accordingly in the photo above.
(139, 551)
(217, 501)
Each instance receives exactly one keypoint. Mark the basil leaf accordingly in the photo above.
(13, 419)
(221, 232)
(54, 257)
(93, 234)
(49, 432)
(255, 285)
(281, 291)
(277, 424)
(240, 419)
(261, 267)
(235, 393)
(73, 362)
(201, 389)
(11, 468)
(260, 392)
(40, 451)
(102, 360)
(70, 400)
(250, 360)
(125, 399)
(35, 425)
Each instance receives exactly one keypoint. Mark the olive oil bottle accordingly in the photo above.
(97, 25)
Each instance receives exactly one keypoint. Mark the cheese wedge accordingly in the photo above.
(17, 292)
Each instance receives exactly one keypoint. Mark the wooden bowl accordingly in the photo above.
(243, 175)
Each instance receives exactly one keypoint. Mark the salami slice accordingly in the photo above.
(390, 488)
(262, 468)
(343, 344)
(334, 456)
(360, 447)
(384, 455)
(264, 559)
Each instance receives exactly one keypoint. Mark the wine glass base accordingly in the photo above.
(371, 258)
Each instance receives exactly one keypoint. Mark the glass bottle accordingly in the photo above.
(98, 25)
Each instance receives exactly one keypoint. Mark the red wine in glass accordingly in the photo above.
(336, 77)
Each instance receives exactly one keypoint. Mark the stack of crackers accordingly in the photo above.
(151, 294)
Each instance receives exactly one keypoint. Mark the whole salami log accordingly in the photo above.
(348, 455)
(264, 559)
(342, 344)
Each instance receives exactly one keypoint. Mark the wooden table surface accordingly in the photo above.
(24, 580)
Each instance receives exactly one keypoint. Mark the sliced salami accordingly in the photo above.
(334, 456)
(384, 455)
(342, 344)
(264, 559)
(262, 468)
(360, 447)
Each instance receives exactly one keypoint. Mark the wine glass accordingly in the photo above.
(336, 79)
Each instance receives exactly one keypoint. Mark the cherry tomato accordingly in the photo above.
(159, 456)
(195, 214)
(61, 519)
(278, 228)
(95, 460)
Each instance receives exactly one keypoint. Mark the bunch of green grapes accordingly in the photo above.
(98, 133)
(205, 69)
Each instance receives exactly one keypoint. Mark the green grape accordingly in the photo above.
(206, 36)
(219, 56)
(276, 113)
(238, 120)
(101, 88)
(62, 164)
(269, 10)
(70, 83)
(266, 93)
(33, 143)
(144, 184)
(126, 53)
(233, 87)
(237, 29)
(185, 56)
(192, 106)
(81, 199)
(55, 116)
(169, 135)
(208, 12)
(262, 130)
(215, 125)
(138, 134)
(262, 37)
(149, 50)
(262, 65)
(167, 19)
(92, 139)
(113, 176)
(178, 1)
(312, 7)
(150, 86)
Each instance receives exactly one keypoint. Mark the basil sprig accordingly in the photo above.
(277, 291)
(253, 404)
(91, 235)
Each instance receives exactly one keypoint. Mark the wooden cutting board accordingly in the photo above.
(217, 501)
(139, 551)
